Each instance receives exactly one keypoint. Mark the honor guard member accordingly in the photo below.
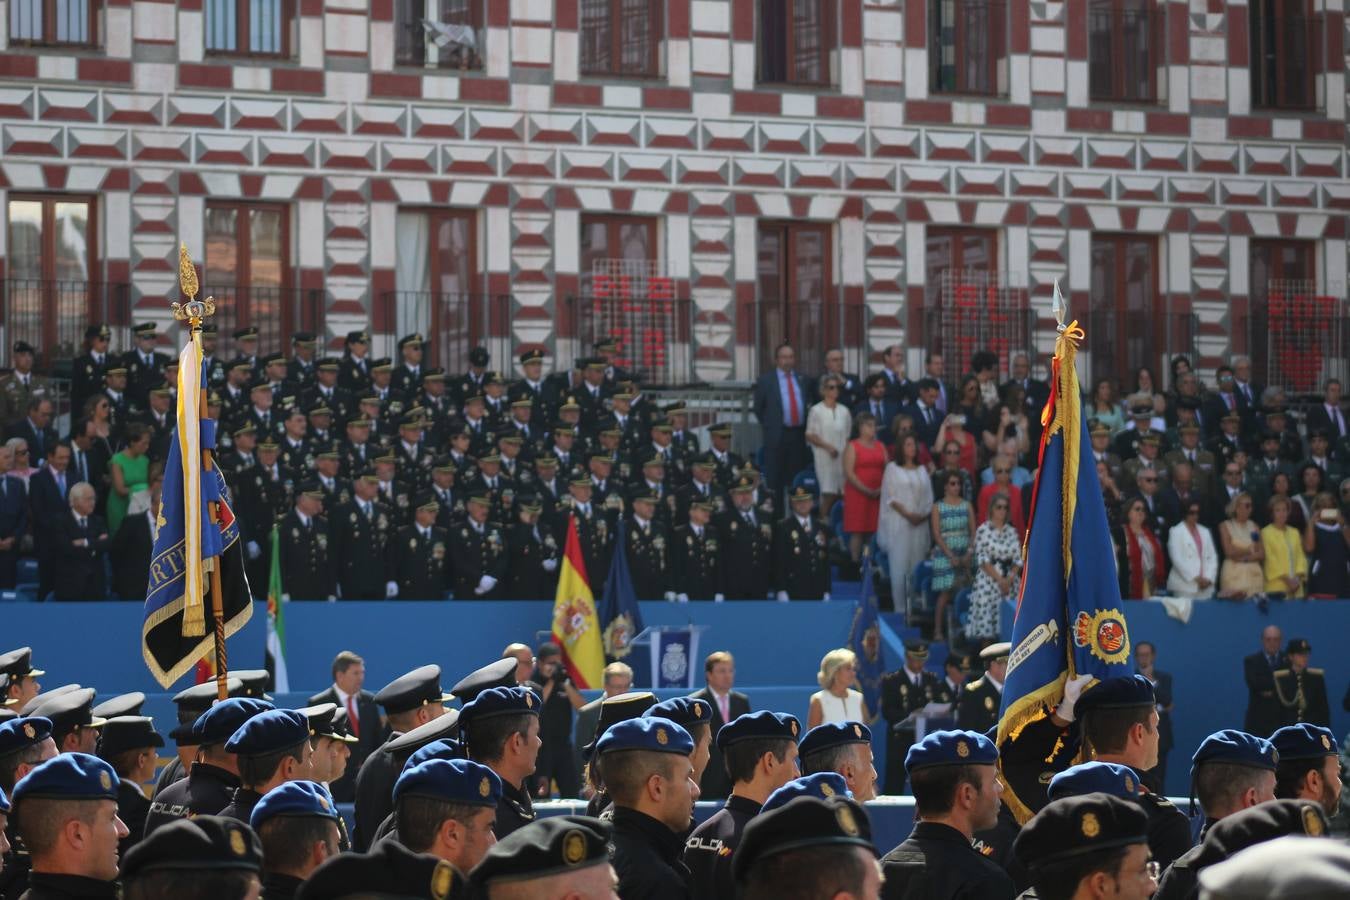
(532, 553)
(74, 726)
(808, 848)
(361, 531)
(696, 556)
(904, 693)
(301, 367)
(501, 730)
(305, 570)
(190, 703)
(145, 365)
(563, 856)
(499, 490)
(595, 525)
(354, 367)
(613, 710)
(419, 561)
(647, 546)
(298, 829)
(128, 744)
(1309, 767)
(453, 508)
(214, 775)
(395, 493)
(702, 486)
(747, 541)
(1230, 771)
(801, 552)
(446, 808)
(271, 748)
(647, 771)
(87, 371)
(1302, 691)
(66, 810)
(408, 701)
(478, 555)
(1095, 845)
(410, 750)
(728, 463)
(1247, 828)
(845, 749)
(981, 699)
(325, 392)
(246, 348)
(392, 401)
(956, 793)
(414, 457)
(19, 678)
(25, 743)
(760, 751)
(328, 463)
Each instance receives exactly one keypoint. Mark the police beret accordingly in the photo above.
(544, 848)
(1284, 867)
(1303, 741)
(1073, 826)
(648, 733)
(18, 663)
(442, 748)
(121, 705)
(822, 785)
(269, 732)
(199, 843)
(834, 734)
(1298, 645)
(619, 708)
(460, 781)
(1236, 748)
(683, 711)
(499, 673)
(4, 803)
(802, 823)
(760, 725)
(199, 697)
(388, 870)
(22, 733)
(70, 710)
(443, 726)
(1127, 692)
(294, 798)
(45, 697)
(122, 733)
(499, 701)
(70, 776)
(418, 688)
(1095, 778)
(951, 748)
(219, 723)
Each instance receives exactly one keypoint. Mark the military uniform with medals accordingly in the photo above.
(86, 374)
(529, 548)
(801, 558)
(305, 570)
(697, 560)
(1302, 695)
(747, 536)
(904, 693)
(648, 550)
(420, 564)
(359, 547)
(478, 553)
(979, 705)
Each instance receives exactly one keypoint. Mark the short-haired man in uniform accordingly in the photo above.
(446, 807)
(25, 743)
(1090, 846)
(903, 693)
(501, 727)
(981, 699)
(695, 717)
(562, 856)
(272, 748)
(297, 825)
(419, 558)
(801, 551)
(807, 849)
(1309, 767)
(844, 748)
(1232, 771)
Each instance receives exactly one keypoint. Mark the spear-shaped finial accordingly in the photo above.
(1060, 308)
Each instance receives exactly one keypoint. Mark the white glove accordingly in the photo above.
(485, 584)
(550, 565)
(337, 592)
(253, 550)
(1073, 689)
(826, 598)
(682, 598)
(782, 597)
(390, 590)
(285, 598)
(332, 598)
(669, 596)
(719, 598)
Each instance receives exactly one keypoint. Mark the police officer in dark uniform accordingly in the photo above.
(272, 748)
(649, 835)
(305, 570)
(453, 508)
(419, 561)
(728, 463)
(262, 493)
(697, 556)
(566, 853)
(499, 490)
(360, 534)
(293, 815)
(533, 553)
(760, 750)
(354, 367)
(326, 392)
(781, 851)
(72, 786)
(1077, 838)
(357, 450)
(981, 699)
(394, 493)
(702, 486)
(407, 378)
(501, 729)
(145, 365)
(414, 456)
(328, 463)
(189, 704)
(86, 375)
(595, 526)
(647, 545)
(123, 742)
(1301, 691)
(18, 735)
(1231, 770)
(478, 555)
(801, 552)
(956, 793)
(747, 541)
(905, 692)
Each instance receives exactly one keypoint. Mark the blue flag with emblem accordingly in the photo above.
(620, 618)
(864, 637)
(1070, 619)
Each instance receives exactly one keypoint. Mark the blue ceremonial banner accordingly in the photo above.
(673, 653)
(620, 619)
(1070, 619)
(864, 638)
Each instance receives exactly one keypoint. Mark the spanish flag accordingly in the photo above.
(576, 626)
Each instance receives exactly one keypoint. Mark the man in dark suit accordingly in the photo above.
(1264, 713)
(899, 389)
(47, 489)
(1145, 659)
(927, 417)
(363, 718)
(719, 671)
(875, 401)
(1328, 415)
(79, 540)
(36, 427)
(781, 403)
(13, 519)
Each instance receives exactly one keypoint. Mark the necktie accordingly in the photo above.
(724, 706)
(1340, 422)
(928, 415)
(353, 722)
(876, 409)
(750, 519)
(61, 484)
(79, 465)
(365, 509)
(1228, 399)
(793, 411)
(82, 523)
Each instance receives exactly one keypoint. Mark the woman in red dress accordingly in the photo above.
(864, 466)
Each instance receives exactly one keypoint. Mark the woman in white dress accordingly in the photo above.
(837, 701)
(828, 424)
(902, 527)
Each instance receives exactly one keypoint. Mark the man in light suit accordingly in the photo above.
(719, 670)
(366, 724)
(618, 679)
(781, 403)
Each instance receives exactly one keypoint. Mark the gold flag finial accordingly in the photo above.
(187, 273)
(194, 310)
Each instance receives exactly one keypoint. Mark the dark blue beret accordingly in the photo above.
(220, 722)
(1095, 778)
(4, 803)
(1070, 827)
(418, 688)
(804, 822)
(451, 780)
(951, 748)
(1236, 748)
(646, 733)
(19, 734)
(445, 748)
(834, 734)
(1303, 741)
(761, 725)
(822, 785)
(197, 844)
(683, 711)
(1126, 692)
(70, 776)
(544, 848)
(269, 732)
(499, 701)
(294, 798)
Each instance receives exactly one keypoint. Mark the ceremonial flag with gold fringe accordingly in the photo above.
(1070, 618)
(576, 626)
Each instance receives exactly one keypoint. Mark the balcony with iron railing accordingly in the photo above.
(452, 324)
(277, 312)
(52, 317)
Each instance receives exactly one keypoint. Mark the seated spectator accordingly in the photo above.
(1104, 406)
(902, 522)
(998, 562)
(1002, 485)
(1140, 562)
(828, 424)
(1241, 575)
(1285, 563)
(1325, 540)
(130, 471)
(1195, 565)
(79, 542)
(864, 467)
(838, 699)
(953, 523)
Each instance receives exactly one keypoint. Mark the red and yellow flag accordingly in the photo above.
(576, 626)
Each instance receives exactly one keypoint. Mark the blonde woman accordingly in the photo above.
(837, 700)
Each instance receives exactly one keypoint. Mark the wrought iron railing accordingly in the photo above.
(52, 317)
(452, 323)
